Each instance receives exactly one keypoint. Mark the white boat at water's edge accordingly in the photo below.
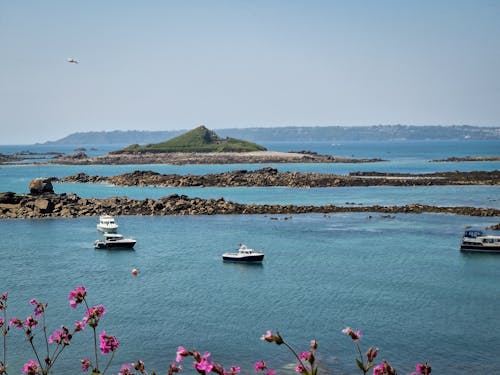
(107, 224)
(477, 241)
(244, 255)
(114, 241)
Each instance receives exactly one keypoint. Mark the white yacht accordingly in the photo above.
(475, 240)
(107, 224)
(244, 255)
(114, 241)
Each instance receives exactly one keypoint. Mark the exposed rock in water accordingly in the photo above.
(71, 205)
(41, 186)
(271, 177)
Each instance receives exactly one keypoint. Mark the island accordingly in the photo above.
(202, 146)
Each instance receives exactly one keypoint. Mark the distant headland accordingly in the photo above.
(296, 134)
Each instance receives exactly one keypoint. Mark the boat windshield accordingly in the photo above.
(473, 233)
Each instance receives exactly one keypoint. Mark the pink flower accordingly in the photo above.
(77, 296)
(205, 364)
(379, 370)
(304, 355)
(300, 369)
(267, 337)
(31, 367)
(173, 368)
(232, 371)
(85, 364)
(79, 326)
(93, 315)
(261, 365)
(355, 335)
(139, 366)
(108, 343)
(60, 336)
(3, 300)
(371, 354)
(39, 307)
(181, 353)
(30, 322)
(125, 370)
(424, 369)
(18, 323)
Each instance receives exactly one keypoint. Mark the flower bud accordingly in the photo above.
(314, 345)
(371, 354)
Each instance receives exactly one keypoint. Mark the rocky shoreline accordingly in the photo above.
(181, 158)
(49, 205)
(272, 177)
(467, 158)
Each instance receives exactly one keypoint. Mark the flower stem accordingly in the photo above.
(296, 355)
(361, 357)
(109, 362)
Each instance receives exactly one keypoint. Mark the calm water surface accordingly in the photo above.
(402, 281)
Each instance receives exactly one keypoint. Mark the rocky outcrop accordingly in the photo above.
(271, 177)
(41, 186)
(467, 158)
(180, 158)
(71, 205)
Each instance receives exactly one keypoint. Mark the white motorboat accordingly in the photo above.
(107, 224)
(475, 240)
(244, 255)
(114, 241)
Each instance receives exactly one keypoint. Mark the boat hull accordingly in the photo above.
(115, 245)
(243, 259)
(480, 249)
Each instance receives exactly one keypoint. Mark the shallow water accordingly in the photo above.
(402, 281)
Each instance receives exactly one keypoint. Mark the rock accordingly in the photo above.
(44, 205)
(9, 198)
(40, 186)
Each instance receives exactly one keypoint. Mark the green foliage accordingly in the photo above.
(199, 139)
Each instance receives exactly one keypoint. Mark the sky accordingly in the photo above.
(165, 65)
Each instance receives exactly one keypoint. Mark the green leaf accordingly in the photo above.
(360, 365)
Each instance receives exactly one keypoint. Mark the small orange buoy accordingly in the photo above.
(134, 272)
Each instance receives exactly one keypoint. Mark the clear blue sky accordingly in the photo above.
(160, 65)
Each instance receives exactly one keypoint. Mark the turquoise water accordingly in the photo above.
(401, 280)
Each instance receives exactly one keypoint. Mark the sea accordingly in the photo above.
(400, 279)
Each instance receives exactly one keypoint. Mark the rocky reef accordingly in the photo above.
(272, 177)
(50, 205)
(181, 158)
(467, 158)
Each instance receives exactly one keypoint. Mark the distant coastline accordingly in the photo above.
(296, 134)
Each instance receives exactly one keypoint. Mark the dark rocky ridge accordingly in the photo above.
(467, 158)
(271, 177)
(49, 205)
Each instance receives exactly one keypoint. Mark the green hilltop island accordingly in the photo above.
(202, 146)
(199, 139)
